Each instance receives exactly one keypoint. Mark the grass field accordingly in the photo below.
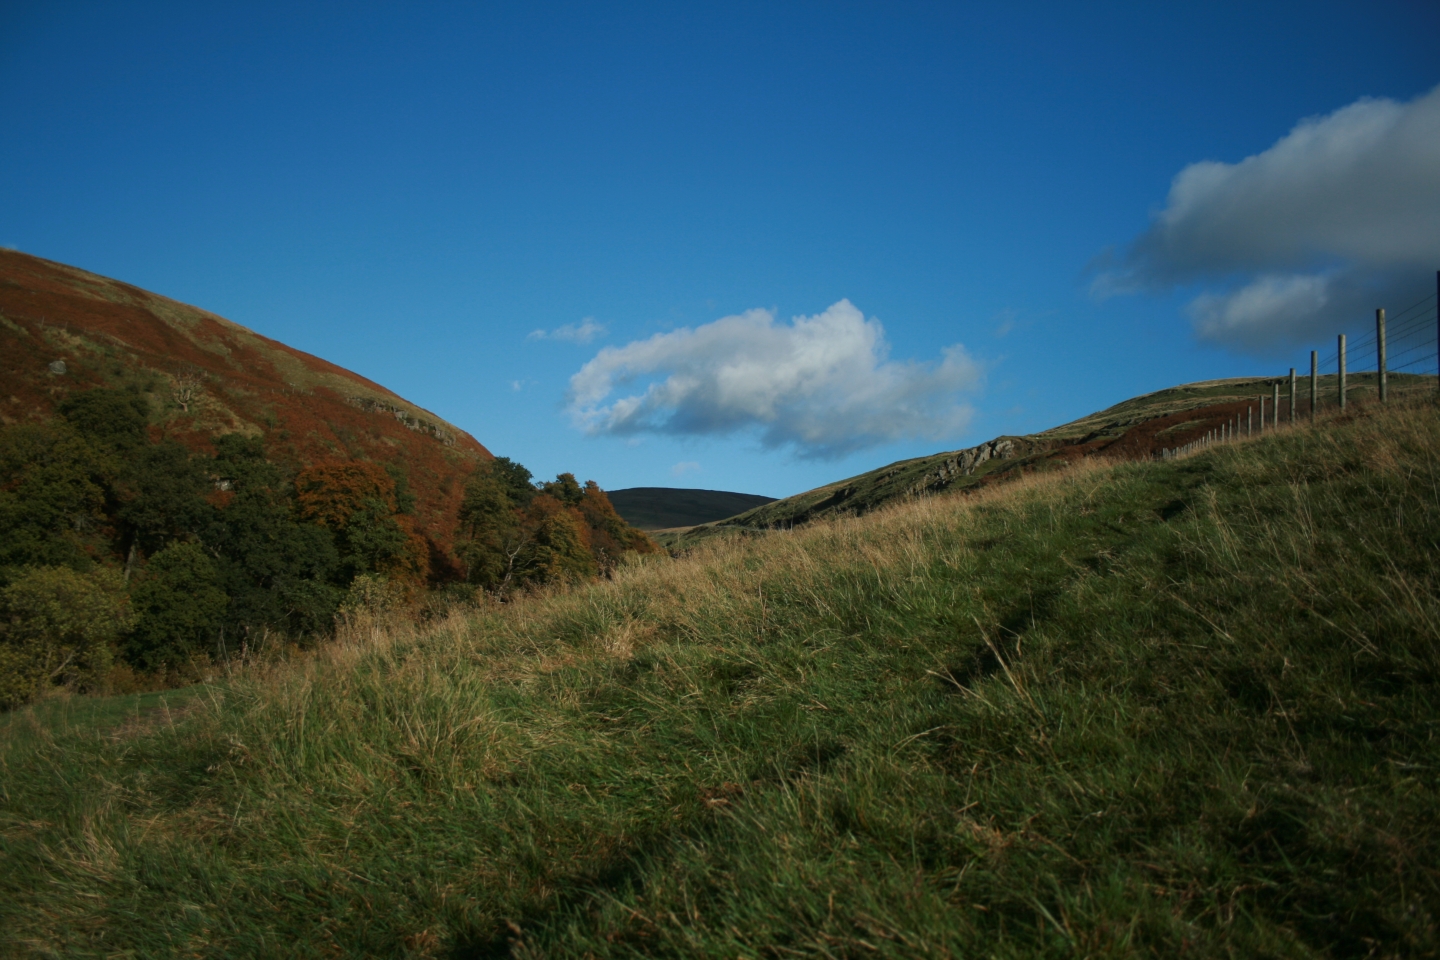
(1180, 708)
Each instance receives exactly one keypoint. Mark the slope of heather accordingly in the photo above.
(660, 508)
(1135, 429)
(206, 376)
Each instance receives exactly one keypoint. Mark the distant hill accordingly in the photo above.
(1134, 429)
(64, 330)
(660, 508)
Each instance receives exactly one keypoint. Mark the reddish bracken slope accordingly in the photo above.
(206, 376)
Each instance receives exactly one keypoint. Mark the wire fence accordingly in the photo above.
(1411, 339)
(1405, 344)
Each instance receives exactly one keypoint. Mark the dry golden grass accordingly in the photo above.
(1118, 709)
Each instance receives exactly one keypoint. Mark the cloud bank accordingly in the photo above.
(583, 332)
(823, 386)
(1338, 217)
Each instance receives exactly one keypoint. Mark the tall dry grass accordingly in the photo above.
(1117, 709)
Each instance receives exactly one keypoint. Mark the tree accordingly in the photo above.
(162, 492)
(179, 608)
(564, 488)
(53, 496)
(330, 493)
(278, 571)
(561, 531)
(491, 536)
(560, 549)
(112, 418)
(610, 536)
(57, 625)
(513, 479)
(358, 502)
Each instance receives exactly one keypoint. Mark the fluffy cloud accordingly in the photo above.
(821, 385)
(1338, 217)
(583, 332)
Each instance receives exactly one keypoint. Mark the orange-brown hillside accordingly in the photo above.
(208, 376)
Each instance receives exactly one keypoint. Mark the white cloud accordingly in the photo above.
(821, 385)
(684, 467)
(1337, 217)
(583, 332)
(516, 385)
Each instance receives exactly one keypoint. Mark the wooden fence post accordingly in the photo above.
(1261, 398)
(1342, 371)
(1380, 352)
(1249, 421)
(1292, 396)
(1275, 404)
(1315, 380)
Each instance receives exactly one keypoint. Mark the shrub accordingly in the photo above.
(57, 626)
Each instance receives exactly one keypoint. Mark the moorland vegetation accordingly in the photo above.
(1107, 709)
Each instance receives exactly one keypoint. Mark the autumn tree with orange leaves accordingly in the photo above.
(513, 533)
(357, 502)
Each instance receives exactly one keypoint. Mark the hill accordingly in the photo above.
(1138, 428)
(1156, 708)
(63, 330)
(659, 508)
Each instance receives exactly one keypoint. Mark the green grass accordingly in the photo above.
(1173, 708)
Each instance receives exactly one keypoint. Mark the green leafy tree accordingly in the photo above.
(54, 493)
(514, 479)
(179, 608)
(112, 418)
(404, 496)
(560, 549)
(58, 626)
(491, 537)
(372, 542)
(162, 492)
(280, 573)
(564, 488)
(512, 534)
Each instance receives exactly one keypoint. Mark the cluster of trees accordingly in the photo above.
(115, 548)
(514, 533)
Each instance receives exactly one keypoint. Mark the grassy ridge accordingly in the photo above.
(1135, 429)
(1155, 708)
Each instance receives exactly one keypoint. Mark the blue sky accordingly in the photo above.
(969, 208)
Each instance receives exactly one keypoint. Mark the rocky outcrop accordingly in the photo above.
(962, 463)
(371, 405)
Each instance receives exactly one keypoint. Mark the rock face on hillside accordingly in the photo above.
(64, 330)
(962, 463)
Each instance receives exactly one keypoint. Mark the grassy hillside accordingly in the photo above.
(659, 508)
(1134, 429)
(1139, 709)
(203, 376)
